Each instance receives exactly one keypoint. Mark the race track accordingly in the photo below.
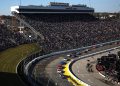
(91, 78)
(48, 68)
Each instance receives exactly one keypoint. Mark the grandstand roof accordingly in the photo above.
(53, 8)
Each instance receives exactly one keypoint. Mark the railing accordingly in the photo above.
(32, 29)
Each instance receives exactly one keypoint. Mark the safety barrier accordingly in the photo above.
(33, 61)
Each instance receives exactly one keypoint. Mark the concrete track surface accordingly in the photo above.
(48, 68)
(92, 78)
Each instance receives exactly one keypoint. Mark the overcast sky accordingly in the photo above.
(99, 5)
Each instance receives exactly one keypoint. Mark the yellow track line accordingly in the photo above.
(70, 78)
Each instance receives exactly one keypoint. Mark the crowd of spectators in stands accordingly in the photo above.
(9, 38)
(63, 31)
(68, 31)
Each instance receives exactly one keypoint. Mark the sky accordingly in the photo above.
(99, 5)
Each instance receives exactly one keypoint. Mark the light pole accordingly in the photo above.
(20, 2)
(90, 3)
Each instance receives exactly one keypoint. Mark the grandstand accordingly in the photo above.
(68, 30)
(9, 38)
(57, 27)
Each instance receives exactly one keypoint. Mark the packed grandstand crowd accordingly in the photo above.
(68, 31)
(8, 38)
(64, 31)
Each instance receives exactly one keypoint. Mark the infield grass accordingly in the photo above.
(8, 61)
(12, 56)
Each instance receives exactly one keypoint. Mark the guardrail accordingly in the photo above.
(85, 56)
(33, 61)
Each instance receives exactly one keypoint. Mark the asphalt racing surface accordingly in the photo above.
(92, 78)
(52, 71)
(48, 68)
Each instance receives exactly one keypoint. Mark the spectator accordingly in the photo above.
(68, 31)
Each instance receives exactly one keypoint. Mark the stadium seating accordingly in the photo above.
(63, 31)
(68, 31)
(9, 38)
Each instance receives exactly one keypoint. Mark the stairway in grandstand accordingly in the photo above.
(36, 33)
